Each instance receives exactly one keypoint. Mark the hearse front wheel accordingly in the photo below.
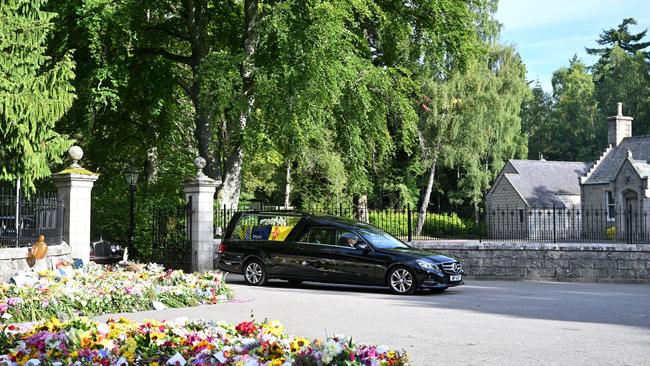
(401, 281)
(254, 273)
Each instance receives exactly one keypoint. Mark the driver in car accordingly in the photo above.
(350, 240)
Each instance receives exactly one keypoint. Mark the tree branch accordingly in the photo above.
(165, 54)
(185, 86)
(169, 32)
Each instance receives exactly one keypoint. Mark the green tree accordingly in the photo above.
(578, 134)
(626, 78)
(622, 74)
(537, 123)
(474, 122)
(493, 98)
(34, 93)
(621, 36)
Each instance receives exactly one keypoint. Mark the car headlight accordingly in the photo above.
(427, 265)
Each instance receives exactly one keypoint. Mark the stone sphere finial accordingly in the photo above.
(75, 153)
(199, 163)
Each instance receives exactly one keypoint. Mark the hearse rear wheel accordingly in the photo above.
(254, 273)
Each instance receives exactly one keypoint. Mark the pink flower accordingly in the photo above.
(3, 307)
(14, 301)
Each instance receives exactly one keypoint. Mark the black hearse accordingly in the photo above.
(298, 247)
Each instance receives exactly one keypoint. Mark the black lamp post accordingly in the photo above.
(131, 177)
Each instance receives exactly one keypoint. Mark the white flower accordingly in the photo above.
(330, 350)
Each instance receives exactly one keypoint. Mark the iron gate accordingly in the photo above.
(172, 237)
(23, 219)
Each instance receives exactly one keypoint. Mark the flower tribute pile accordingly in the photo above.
(96, 290)
(180, 342)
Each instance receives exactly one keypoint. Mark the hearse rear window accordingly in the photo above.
(264, 227)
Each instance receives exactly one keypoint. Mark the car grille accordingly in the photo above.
(452, 267)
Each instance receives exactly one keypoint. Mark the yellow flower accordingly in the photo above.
(52, 325)
(297, 343)
(273, 327)
(128, 351)
(46, 273)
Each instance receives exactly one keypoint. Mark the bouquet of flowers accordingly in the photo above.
(274, 221)
(180, 342)
(97, 290)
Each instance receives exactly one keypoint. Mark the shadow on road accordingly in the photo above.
(619, 304)
(316, 286)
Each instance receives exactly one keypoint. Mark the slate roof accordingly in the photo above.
(642, 167)
(539, 182)
(606, 171)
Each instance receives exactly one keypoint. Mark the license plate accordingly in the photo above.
(455, 278)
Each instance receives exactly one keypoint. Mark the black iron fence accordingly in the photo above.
(23, 219)
(401, 222)
(575, 224)
(498, 223)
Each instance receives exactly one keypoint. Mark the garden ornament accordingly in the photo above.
(199, 163)
(39, 249)
(76, 153)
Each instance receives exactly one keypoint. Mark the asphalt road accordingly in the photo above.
(481, 323)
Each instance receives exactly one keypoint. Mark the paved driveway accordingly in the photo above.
(481, 323)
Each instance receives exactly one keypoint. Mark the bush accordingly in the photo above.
(395, 222)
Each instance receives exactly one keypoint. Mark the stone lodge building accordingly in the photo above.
(609, 199)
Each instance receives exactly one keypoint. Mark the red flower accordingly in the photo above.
(246, 328)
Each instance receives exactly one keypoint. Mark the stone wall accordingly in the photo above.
(13, 260)
(504, 195)
(549, 262)
(593, 196)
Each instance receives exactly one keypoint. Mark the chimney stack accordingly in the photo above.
(618, 126)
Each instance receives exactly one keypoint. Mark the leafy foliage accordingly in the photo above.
(571, 124)
(304, 102)
(34, 93)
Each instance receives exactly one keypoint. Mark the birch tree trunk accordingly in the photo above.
(151, 165)
(233, 174)
(422, 212)
(287, 188)
(362, 208)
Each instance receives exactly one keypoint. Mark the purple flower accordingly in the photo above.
(12, 301)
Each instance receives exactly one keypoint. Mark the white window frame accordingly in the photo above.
(611, 207)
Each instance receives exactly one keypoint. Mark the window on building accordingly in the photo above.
(611, 206)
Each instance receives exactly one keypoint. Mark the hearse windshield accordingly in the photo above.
(382, 240)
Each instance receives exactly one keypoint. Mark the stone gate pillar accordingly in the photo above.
(199, 190)
(75, 185)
